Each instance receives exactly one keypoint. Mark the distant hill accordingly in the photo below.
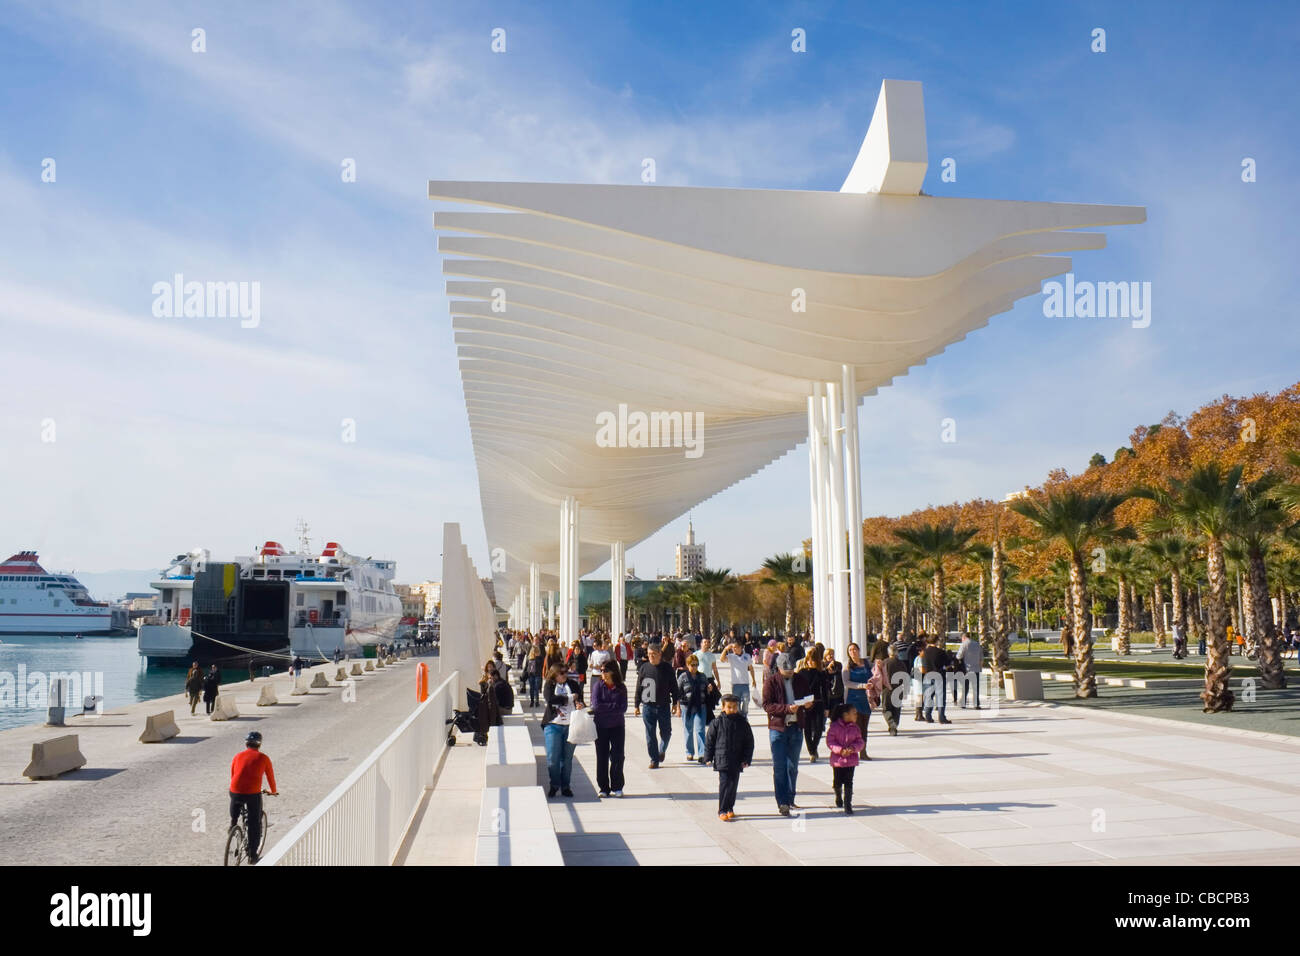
(112, 585)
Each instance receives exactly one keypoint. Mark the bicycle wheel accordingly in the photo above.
(235, 852)
(261, 844)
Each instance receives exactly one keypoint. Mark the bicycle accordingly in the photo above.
(237, 837)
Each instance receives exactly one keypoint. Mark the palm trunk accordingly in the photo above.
(1269, 653)
(789, 608)
(1085, 677)
(1125, 622)
(984, 610)
(1157, 608)
(939, 617)
(1001, 653)
(885, 631)
(1180, 606)
(1218, 665)
(907, 613)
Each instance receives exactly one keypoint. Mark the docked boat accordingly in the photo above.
(276, 603)
(34, 601)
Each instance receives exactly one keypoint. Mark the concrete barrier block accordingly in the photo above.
(54, 756)
(526, 848)
(267, 698)
(320, 680)
(159, 727)
(370, 663)
(1024, 685)
(380, 663)
(299, 686)
(342, 675)
(224, 708)
(510, 761)
(356, 669)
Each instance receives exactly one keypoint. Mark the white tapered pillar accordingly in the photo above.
(817, 479)
(534, 598)
(617, 587)
(853, 509)
(569, 516)
(836, 537)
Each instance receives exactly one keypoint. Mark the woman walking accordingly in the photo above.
(211, 683)
(855, 684)
(608, 707)
(194, 685)
(562, 695)
(834, 671)
(815, 720)
(533, 674)
(694, 689)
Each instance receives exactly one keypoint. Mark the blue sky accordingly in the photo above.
(172, 434)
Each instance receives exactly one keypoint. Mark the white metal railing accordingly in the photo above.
(364, 820)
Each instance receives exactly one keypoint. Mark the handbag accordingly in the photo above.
(582, 729)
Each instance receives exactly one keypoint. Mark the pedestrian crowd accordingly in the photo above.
(810, 700)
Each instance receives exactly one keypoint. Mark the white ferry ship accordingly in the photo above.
(33, 601)
(276, 602)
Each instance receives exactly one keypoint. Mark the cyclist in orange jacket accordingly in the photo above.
(246, 772)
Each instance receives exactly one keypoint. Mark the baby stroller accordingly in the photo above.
(466, 721)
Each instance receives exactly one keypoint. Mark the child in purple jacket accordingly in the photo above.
(844, 741)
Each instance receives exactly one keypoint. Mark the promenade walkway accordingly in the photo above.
(1035, 784)
(167, 803)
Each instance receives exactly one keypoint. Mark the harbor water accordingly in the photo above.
(109, 666)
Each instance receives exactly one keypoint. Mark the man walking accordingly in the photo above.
(737, 667)
(971, 656)
(786, 700)
(657, 694)
(934, 686)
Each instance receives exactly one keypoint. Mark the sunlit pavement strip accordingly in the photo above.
(1032, 785)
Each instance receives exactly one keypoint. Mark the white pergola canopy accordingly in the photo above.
(572, 300)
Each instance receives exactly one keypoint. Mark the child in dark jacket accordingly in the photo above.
(729, 746)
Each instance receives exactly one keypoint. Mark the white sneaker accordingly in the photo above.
(618, 793)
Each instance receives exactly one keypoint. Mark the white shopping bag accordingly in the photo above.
(582, 729)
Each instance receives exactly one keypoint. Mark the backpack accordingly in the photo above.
(506, 696)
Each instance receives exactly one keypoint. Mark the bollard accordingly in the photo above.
(380, 664)
(299, 687)
(356, 669)
(370, 663)
(159, 727)
(320, 680)
(342, 675)
(421, 682)
(224, 708)
(53, 757)
(268, 697)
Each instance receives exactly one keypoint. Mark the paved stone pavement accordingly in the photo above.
(1029, 784)
(137, 803)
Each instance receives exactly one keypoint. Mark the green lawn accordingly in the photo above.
(1139, 669)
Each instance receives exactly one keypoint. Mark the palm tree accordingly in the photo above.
(1206, 503)
(1001, 636)
(1076, 519)
(1173, 554)
(1122, 560)
(930, 544)
(712, 581)
(1261, 518)
(981, 555)
(882, 561)
(782, 573)
(966, 593)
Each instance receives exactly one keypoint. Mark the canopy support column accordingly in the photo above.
(853, 509)
(534, 598)
(617, 588)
